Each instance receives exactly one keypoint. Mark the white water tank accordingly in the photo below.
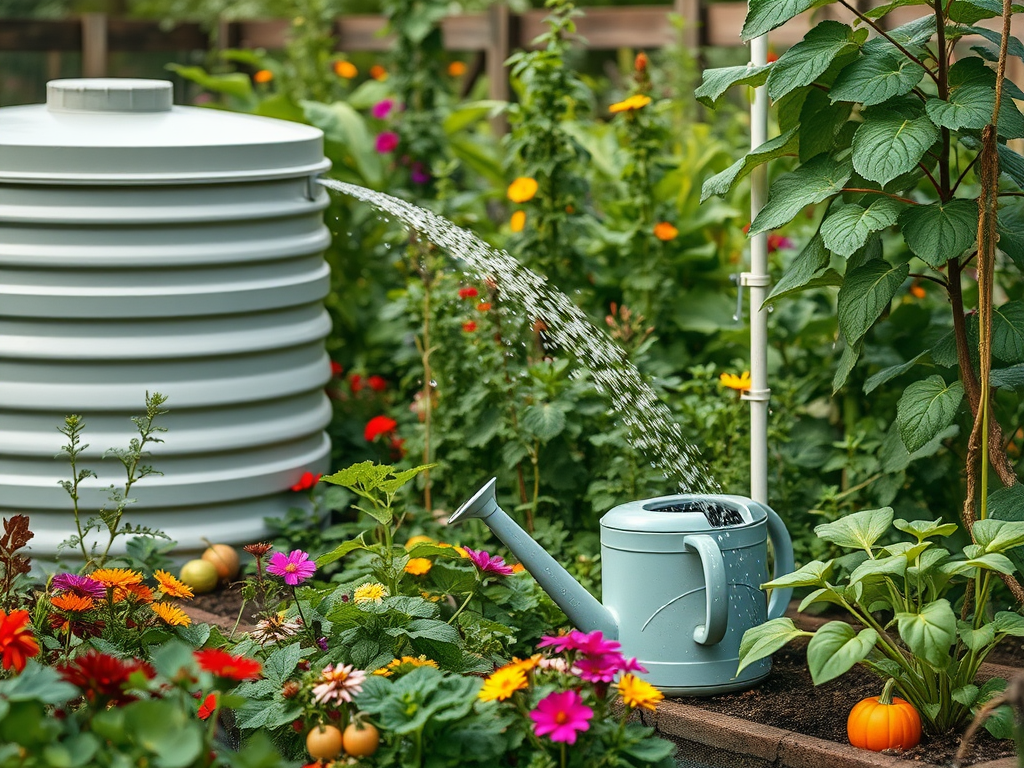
(145, 246)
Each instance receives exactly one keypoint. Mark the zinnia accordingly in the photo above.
(171, 614)
(522, 189)
(172, 586)
(377, 426)
(345, 69)
(338, 683)
(639, 693)
(457, 69)
(469, 292)
(382, 109)
(223, 664)
(263, 76)
(377, 383)
(377, 72)
(487, 563)
(294, 568)
(17, 643)
(208, 707)
(103, 678)
(83, 586)
(561, 716)
(503, 683)
(387, 142)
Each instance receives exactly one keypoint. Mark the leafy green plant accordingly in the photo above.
(932, 653)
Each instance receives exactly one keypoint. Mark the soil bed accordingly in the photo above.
(788, 699)
(225, 603)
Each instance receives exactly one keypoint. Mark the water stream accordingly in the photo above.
(652, 429)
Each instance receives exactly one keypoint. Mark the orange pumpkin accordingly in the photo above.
(884, 722)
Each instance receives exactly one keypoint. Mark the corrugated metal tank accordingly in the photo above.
(151, 247)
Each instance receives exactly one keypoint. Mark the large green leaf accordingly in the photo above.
(545, 421)
(722, 183)
(814, 574)
(857, 531)
(972, 69)
(888, 374)
(876, 77)
(1011, 231)
(814, 181)
(765, 15)
(808, 270)
(346, 128)
(912, 35)
(847, 360)
(804, 62)
(715, 82)
(1014, 46)
(1008, 504)
(998, 535)
(1009, 623)
(835, 648)
(969, 106)
(235, 84)
(930, 633)
(892, 140)
(925, 529)
(764, 640)
(876, 570)
(820, 122)
(1008, 332)
(882, 10)
(1011, 164)
(866, 292)
(847, 227)
(925, 409)
(939, 232)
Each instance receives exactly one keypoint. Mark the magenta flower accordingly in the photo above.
(83, 586)
(598, 659)
(488, 564)
(294, 568)
(382, 109)
(418, 174)
(601, 668)
(561, 716)
(387, 142)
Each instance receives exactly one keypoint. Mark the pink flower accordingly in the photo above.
(778, 242)
(599, 659)
(488, 564)
(561, 716)
(377, 426)
(83, 586)
(294, 568)
(419, 174)
(387, 142)
(382, 109)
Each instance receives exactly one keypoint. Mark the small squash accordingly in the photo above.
(884, 722)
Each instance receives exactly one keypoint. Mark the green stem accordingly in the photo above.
(469, 596)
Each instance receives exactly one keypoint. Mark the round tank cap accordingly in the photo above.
(109, 95)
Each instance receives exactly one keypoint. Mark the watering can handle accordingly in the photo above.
(783, 548)
(716, 590)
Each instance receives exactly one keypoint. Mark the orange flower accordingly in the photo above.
(137, 593)
(740, 383)
(483, 306)
(116, 577)
(457, 69)
(263, 76)
(518, 221)
(418, 566)
(518, 568)
(208, 707)
(171, 614)
(634, 102)
(640, 62)
(377, 72)
(172, 586)
(17, 643)
(69, 601)
(522, 189)
(917, 291)
(665, 231)
(345, 69)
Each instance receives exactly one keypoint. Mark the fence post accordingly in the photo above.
(690, 11)
(499, 47)
(94, 45)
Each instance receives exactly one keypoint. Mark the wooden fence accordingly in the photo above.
(494, 33)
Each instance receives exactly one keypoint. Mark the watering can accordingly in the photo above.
(681, 582)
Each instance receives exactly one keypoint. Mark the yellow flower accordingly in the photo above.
(739, 383)
(638, 693)
(172, 586)
(418, 540)
(263, 76)
(171, 614)
(457, 69)
(525, 664)
(377, 72)
(522, 189)
(72, 602)
(665, 231)
(518, 221)
(418, 566)
(503, 683)
(116, 577)
(345, 69)
(518, 568)
(636, 101)
(405, 664)
(373, 592)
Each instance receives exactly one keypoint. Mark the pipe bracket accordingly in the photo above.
(750, 280)
(757, 395)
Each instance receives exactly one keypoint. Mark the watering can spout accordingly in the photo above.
(582, 608)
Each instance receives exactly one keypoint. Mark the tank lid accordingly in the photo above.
(127, 132)
(684, 514)
(109, 95)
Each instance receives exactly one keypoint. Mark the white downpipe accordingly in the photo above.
(757, 281)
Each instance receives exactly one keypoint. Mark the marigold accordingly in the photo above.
(638, 693)
(526, 664)
(634, 102)
(223, 664)
(17, 643)
(483, 306)
(522, 189)
(116, 577)
(640, 62)
(374, 592)
(404, 664)
(457, 69)
(917, 291)
(263, 76)
(414, 540)
(136, 593)
(518, 568)
(740, 383)
(72, 602)
(345, 69)
(502, 684)
(665, 231)
(377, 72)
(172, 586)
(171, 614)
(418, 566)
(518, 221)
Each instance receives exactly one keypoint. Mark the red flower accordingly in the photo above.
(377, 426)
(223, 664)
(208, 707)
(355, 382)
(469, 326)
(397, 448)
(468, 293)
(307, 481)
(103, 678)
(377, 383)
(17, 643)
(336, 369)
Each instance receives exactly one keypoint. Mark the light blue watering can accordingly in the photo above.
(681, 580)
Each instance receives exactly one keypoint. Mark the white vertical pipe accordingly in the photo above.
(757, 281)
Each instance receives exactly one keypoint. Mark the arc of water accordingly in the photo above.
(652, 429)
